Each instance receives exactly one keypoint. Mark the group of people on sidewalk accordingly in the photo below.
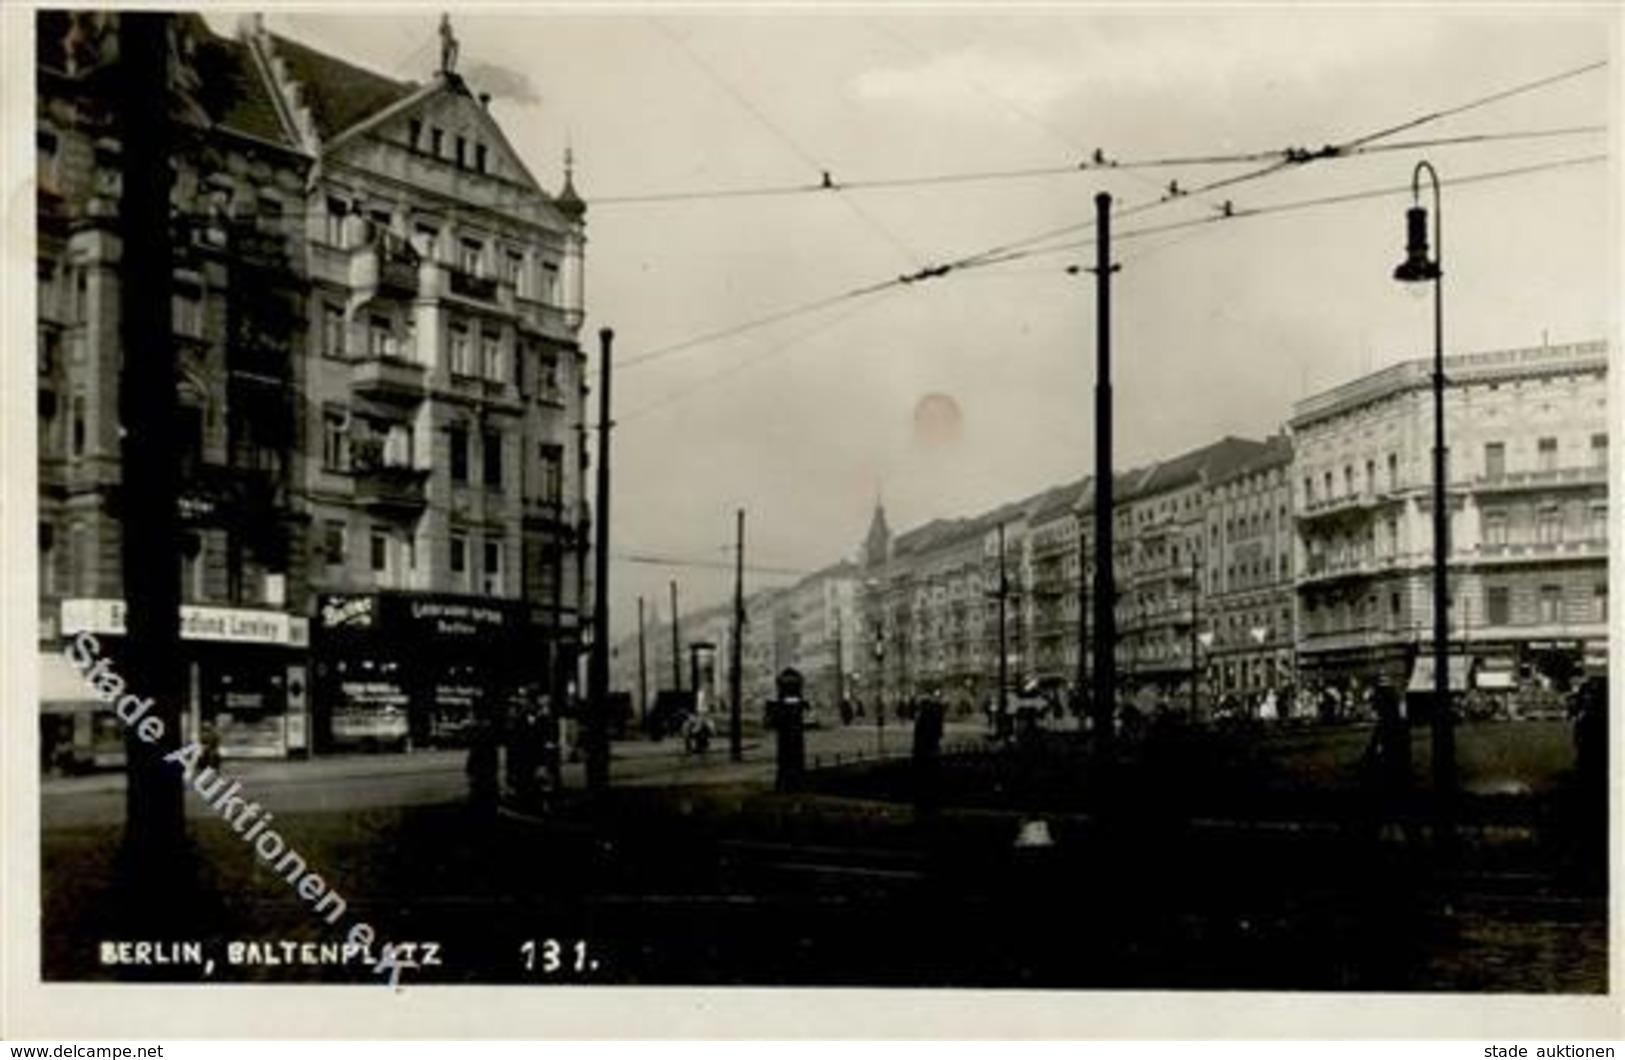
(515, 753)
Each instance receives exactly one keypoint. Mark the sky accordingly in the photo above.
(948, 396)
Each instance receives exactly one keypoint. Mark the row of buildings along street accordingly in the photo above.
(377, 318)
(1281, 574)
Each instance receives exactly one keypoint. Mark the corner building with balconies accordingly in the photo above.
(1527, 499)
(442, 467)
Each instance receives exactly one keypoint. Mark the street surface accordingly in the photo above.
(363, 782)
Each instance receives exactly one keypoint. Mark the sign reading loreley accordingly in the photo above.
(236, 625)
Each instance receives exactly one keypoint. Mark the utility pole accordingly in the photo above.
(676, 644)
(1082, 682)
(736, 747)
(840, 673)
(1004, 656)
(643, 671)
(598, 722)
(1105, 582)
(155, 828)
(1195, 574)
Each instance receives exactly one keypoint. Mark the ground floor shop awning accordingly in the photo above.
(1422, 675)
(61, 686)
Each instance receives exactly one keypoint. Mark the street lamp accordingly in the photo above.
(1418, 267)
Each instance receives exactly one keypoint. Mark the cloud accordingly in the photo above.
(502, 82)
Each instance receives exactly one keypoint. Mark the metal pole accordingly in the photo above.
(1195, 573)
(1444, 735)
(1082, 681)
(1004, 655)
(676, 644)
(598, 729)
(643, 670)
(1105, 580)
(736, 747)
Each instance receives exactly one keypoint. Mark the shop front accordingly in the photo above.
(396, 670)
(246, 676)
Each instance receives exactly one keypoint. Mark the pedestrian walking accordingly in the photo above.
(928, 723)
(1387, 762)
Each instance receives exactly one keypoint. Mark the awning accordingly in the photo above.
(1498, 680)
(1422, 675)
(60, 685)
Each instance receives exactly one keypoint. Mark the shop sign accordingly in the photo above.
(225, 624)
(457, 618)
(348, 612)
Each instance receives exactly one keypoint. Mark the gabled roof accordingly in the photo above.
(233, 93)
(339, 94)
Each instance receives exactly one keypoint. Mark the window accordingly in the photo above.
(493, 567)
(458, 437)
(81, 295)
(381, 340)
(1348, 479)
(459, 553)
(1546, 454)
(491, 358)
(398, 445)
(1498, 605)
(335, 439)
(333, 337)
(550, 283)
(462, 152)
(1308, 490)
(45, 155)
(270, 211)
(186, 312)
(414, 134)
(1495, 526)
(1549, 524)
(1551, 604)
(47, 558)
(1599, 451)
(1393, 471)
(1599, 599)
(380, 551)
(333, 534)
(479, 157)
(333, 221)
(437, 141)
(1495, 460)
(1371, 476)
(513, 263)
(1328, 480)
(462, 350)
(469, 252)
(425, 238)
(78, 425)
(1597, 521)
(491, 457)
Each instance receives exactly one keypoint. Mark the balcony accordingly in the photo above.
(1342, 504)
(1321, 570)
(468, 285)
(388, 379)
(1516, 481)
(388, 266)
(392, 489)
(1540, 551)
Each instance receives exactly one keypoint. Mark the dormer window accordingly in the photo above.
(414, 134)
(462, 152)
(479, 157)
(437, 141)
